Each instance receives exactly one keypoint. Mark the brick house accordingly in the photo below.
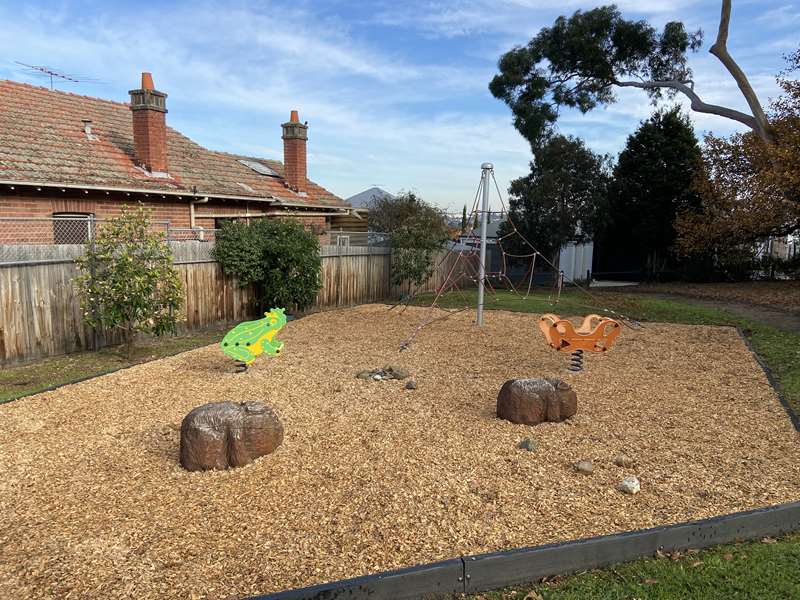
(63, 154)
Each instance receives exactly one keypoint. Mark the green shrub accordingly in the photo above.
(418, 231)
(127, 280)
(279, 257)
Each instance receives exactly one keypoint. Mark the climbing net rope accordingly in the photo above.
(464, 266)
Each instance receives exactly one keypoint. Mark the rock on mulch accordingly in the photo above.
(93, 502)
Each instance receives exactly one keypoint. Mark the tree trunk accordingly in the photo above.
(129, 334)
(720, 50)
(757, 121)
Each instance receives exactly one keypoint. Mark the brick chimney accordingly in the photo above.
(295, 137)
(149, 108)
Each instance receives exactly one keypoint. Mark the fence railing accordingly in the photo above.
(339, 237)
(62, 238)
(41, 240)
(40, 312)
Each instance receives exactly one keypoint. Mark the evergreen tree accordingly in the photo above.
(464, 220)
(558, 201)
(580, 60)
(652, 183)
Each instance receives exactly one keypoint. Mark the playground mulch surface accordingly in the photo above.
(371, 476)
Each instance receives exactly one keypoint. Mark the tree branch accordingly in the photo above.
(697, 103)
(720, 50)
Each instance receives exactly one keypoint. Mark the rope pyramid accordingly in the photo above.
(467, 258)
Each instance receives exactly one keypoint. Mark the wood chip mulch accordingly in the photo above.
(371, 476)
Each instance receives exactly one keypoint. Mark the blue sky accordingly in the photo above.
(395, 93)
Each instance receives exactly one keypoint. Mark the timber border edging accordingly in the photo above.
(472, 574)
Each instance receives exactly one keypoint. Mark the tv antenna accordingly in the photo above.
(53, 74)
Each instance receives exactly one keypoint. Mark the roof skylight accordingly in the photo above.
(258, 167)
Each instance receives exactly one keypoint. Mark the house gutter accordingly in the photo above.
(273, 200)
(251, 215)
(279, 202)
(147, 192)
(300, 213)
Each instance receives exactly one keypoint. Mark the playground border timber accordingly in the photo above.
(472, 574)
(483, 572)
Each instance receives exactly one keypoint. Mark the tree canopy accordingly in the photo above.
(418, 231)
(558, 200)
(750, 188)
(652, 183)
(578, 61)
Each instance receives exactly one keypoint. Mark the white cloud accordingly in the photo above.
(472, 17)
(781, 16)
(379, 113)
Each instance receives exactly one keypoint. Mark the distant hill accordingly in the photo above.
(362, 199)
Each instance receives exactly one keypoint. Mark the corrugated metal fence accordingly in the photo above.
(40, 312)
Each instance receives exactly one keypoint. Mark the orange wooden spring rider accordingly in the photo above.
(596, 333)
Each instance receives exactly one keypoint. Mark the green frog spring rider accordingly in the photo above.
(245, 342)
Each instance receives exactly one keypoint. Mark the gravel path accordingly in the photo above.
(372, 476)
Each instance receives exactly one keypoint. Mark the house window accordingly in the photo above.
(72, 228)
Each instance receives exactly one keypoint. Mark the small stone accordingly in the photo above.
(527, 444)
(623, 460)
(364, 375)
(629, 485)
(377, 377)
(411, 385)
(584, 466)
(396, 372)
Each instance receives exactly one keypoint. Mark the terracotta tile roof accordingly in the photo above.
(42, 140)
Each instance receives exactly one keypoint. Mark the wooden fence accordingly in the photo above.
(40, 313)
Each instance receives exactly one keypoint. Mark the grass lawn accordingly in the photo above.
(779, 349)
(762, 569)
(30, 378)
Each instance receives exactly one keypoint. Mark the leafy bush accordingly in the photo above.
(127, 280)
(418, 232)
(279, 257)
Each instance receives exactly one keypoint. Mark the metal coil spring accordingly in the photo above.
(576, 361)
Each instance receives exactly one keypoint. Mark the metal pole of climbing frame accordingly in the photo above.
(486, 173)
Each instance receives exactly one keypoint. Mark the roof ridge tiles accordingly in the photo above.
(63, 92)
